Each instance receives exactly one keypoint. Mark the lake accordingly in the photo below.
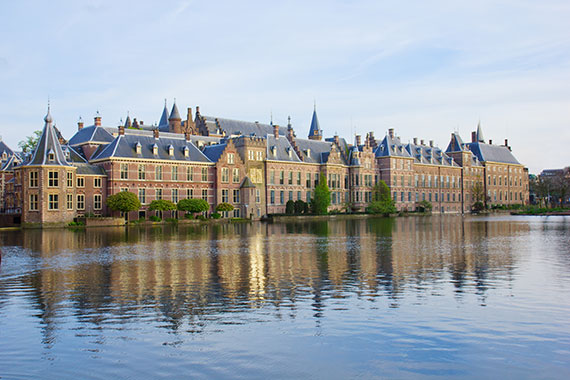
(410, 297)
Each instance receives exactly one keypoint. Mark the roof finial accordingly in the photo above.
(315, 104)
(165, 102)
(271, 115)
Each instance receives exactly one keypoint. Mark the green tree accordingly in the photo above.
(224, 207)
(161, 205)
(299, 206)
(290, 207)
(322, 197)
(425, 206)
(193, 206)
(124, 201)
(381, 203)
(29, 143)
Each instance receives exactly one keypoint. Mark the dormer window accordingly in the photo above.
(155, 149)
(308, 151)
(51, 157)
(4, 156)
(289, 152)
(186, 151)
(138, 147)
(170, 150)
(274, 150)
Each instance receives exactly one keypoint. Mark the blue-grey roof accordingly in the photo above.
(455, 144)
(124, 146)
(238, 127)
(280, 149)
(48, 144)
(86, 169)
(164, 118)
(9, 164)
(174, 114)
(494, 153)
(5, 149)
(91, 134)
(430, 155)
(315, 129)
(313, 151)
(391, 147)
(480, 133)
(213, 152)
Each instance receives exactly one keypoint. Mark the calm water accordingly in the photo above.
(435, 297)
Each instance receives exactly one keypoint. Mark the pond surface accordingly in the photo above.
(415, 297)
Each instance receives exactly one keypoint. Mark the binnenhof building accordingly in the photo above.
(253, 166)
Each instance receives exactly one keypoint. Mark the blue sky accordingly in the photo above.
(424, 68)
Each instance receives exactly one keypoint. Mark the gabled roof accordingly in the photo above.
(455, 144)
(213, 152)
(9, 164)
(391, 147)
(319, 150)
(91, 134)
(48, 144)
(280, 149)
(494, 153)
(124, 146)
(247, 184)
(425, 154)
(238, 127)
(5, 149)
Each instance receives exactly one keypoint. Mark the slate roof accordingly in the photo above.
(93, 133)
(5, 148)
(9, 164)
(315, 128)
(247, 184)
(164, 118)
(238, 127)
(494, 153)
(174, 114)
(124, 146)
(319, 150)
(47, 144)
(455, 144)
(426, 154)
(280, 149)
(86, 169)
(213, 152)
(391, 147)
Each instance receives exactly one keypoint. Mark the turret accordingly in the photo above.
(175, 121)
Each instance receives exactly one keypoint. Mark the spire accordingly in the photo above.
(165, 116)
(174, 114)
(48, 149)
(480, 137)
(315, 132)
(48, 119)
(128, 122)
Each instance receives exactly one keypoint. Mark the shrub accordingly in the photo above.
(224, 207)
(322, 198)
(161, 205)
(216, 215)
(200, 217)
(425, 206)
(155, 218)
(381, 207)
(478, 206)
(172, 220)
(193, 205)
(290, 207)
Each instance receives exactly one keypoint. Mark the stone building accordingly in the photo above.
(255, 167)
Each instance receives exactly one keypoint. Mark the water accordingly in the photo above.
(417, 297)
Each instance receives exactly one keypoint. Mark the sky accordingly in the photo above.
(424, 68)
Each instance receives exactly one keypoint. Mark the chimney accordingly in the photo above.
(415, 141)
(187, 135)
(80, 125)
(337, 140)
(189, 115)
(391, 133)
(141, 122)
(358, 140)
(473, 136)
(422, 142)
(155, 133)
(197, 110)
(276, 131)
(431, 143)
(97, 120)
(490, 142)
(506, 142)
(121, 130)
(290, 133)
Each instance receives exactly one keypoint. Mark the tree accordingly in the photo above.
(322, 197)
(478, 192)
(124, 201)
(290, 207)
(193, 206)
(300, 206)
(561, 186)
(382, 202)
(161, 205)
(425, 206)
(30, 142)
(224, 207)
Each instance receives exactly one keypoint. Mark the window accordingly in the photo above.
(298, 178)
(124, 171)
(225, 195)
(175, 195)
(230, 158)
(97, 202)
(272, 177)
(308, 196)
(53, 201)
(142, 195)
(34, 201)
(189, 193)
(290, 178)
(225, 175)
(158, 194)
(205, 194)
(290, 196)
(281, 197)
(204, 174)
(158, 172)
(33, 179)
(409, 196)
(80, 202)
(174, 172)
(251, 155)
(259, 156)
(69, 202)
(189, 173)
(53, 179)
(308, 182)
(298, 195)
(257, 196)
(142, 173)
(69, 179)
(80, 181)
(272, 197)
(281, 177)
(97, 182)
(402, 197)
(235, 175)
(236, 196)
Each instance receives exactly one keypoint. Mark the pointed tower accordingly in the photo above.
(480, 137)
(164, 118)
(315, 132)
(174, 120)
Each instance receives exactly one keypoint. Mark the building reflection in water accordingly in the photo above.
(193, 275)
